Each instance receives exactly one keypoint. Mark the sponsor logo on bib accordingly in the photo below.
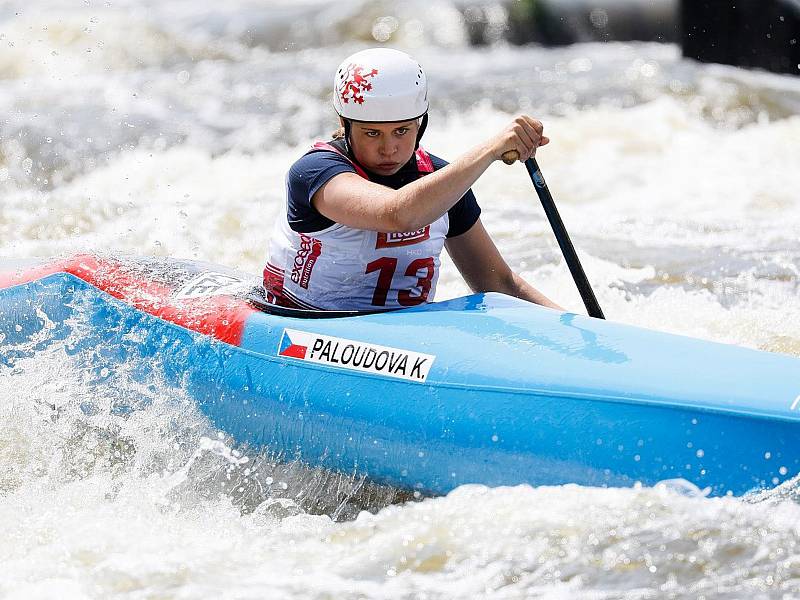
(392, 240)
(356, 356)
(305, 259)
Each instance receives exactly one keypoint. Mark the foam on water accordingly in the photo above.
(96, 503)
(167, 128)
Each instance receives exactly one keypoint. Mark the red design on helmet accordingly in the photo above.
(354, 82)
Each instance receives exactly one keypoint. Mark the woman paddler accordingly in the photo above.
(369, 212)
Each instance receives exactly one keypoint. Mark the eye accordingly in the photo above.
(401, 130)
(372, 134)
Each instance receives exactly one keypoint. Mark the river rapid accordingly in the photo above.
(166, 128)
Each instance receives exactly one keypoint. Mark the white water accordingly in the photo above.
(166, 129)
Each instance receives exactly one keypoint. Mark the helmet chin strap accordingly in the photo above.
(347, 126)
(421, 130)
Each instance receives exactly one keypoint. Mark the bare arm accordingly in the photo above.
(485, 270)
(357, 202)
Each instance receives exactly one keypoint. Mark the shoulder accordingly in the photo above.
(319, 161)
(313, 170)
(305, 177)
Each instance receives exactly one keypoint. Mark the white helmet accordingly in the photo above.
(380, 85)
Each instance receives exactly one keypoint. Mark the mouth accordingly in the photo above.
(388, 165)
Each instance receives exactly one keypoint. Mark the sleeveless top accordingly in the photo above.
(343, 268)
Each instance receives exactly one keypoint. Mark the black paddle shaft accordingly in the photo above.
(564, 242)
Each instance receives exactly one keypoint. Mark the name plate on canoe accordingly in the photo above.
(356, 356)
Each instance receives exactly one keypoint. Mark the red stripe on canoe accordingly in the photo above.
(222, 317)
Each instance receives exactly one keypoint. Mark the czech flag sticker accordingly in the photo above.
(292, 348)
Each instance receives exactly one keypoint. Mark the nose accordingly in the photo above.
(387, 148)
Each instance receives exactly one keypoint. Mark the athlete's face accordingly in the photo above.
(384, 148)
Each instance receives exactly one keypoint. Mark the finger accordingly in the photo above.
(526, 136)
(534, 129)
(525, 149)
(535, 134)
(514, 143)
(536, 124)
(518, 145)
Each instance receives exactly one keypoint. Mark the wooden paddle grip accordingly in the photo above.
(510, 157)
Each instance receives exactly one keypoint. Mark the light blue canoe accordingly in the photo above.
(482, 389)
